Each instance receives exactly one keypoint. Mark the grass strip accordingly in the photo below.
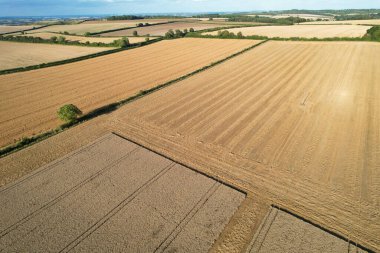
(28, 141)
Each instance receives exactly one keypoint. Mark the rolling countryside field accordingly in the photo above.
(160, 30)
(99, 81)
(15, 55)
(83, 39)
(81, 29)
(302, 129)
(14, 28)
(258, 132)
(302, 31)
(344, 22)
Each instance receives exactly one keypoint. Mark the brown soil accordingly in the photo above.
(29, 100)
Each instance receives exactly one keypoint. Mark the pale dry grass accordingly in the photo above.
(15, 54)
(302, 31)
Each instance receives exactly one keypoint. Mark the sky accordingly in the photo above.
(81, 7)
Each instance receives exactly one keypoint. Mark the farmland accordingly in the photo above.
(160, 30)
(14, 55)
(83, 39)
(130, 168)
(295, 121)
(305, 16)
(14, 28)
(99, 81)
(81, 29)
(350, 22)
(304, 31)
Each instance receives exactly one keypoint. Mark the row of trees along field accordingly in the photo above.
(123, 42)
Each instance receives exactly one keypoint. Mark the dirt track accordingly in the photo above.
(14, 54)
(114, 195)
(29, 100)
(303, 31)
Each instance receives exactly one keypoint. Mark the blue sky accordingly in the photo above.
(76, 7)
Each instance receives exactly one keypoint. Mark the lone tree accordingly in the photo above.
(191, 30)
(135, 33)
(123, 42)
(69, 113)
(61, 39)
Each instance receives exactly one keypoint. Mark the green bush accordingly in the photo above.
(135, 33)
(69, 113)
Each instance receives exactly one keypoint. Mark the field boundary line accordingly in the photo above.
(106, 109)
(75, 59)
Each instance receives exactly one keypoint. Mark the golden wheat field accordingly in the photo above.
(83, 39)
(14, 28)
(82, 28)
(345, 22)
(303, 31)
(160, 30)
(15, 54)
(298, 122)
(29, 100)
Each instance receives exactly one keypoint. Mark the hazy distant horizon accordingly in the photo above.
(11, 8)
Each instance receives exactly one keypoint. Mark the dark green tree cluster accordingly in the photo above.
(176, 34)
(125, 17)
(373, 33)
(69, 113)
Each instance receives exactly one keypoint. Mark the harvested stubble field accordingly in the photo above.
(343, 22)
(29, 100)
(14, 54)
(129, 22)
(114, 195)
(160, 30)
(82, 28)
(303, 31)
(14, 28)
(295, 122)
(305, 16)
(82, 39)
